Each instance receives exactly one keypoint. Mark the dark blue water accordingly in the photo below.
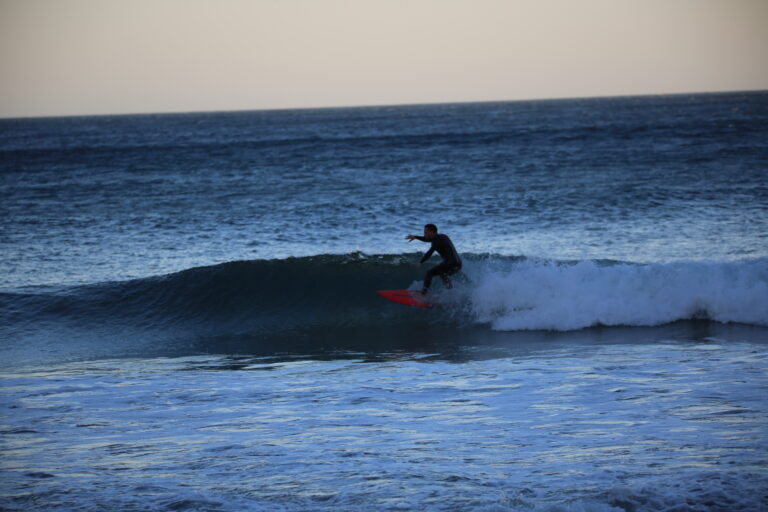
(648, 179)
(188, 298)
(567, 196)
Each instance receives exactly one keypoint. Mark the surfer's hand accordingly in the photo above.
(410, 237)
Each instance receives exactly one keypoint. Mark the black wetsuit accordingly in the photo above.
(451, 262)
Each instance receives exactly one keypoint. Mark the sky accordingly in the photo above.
(82, 57)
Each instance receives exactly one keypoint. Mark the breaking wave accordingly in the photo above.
(556, 296)
(327, 302)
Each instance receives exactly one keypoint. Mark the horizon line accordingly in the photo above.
(381, 105)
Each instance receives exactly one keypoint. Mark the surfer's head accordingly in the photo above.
(430, 231)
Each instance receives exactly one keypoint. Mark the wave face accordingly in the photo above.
(328, 302)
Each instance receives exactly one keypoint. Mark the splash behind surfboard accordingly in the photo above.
(407, 297)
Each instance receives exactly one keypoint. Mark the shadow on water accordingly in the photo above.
(462, 344)
(405, 341)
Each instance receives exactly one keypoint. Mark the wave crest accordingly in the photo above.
(533, 294)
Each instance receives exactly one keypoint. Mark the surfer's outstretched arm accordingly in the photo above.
(428, 254)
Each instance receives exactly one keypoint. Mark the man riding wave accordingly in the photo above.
(442, 244)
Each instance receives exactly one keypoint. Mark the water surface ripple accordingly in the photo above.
(658, 426)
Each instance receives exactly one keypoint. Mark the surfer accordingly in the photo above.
(442, 244)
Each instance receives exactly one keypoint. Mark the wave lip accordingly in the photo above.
(532, 295)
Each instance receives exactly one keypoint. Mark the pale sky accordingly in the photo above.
(72, 57)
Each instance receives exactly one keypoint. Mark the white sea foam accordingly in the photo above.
(533, 294)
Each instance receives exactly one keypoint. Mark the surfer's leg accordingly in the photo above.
(449, 272)
(428, 280)
(438, 270)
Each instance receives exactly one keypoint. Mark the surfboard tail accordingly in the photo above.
(406, 297)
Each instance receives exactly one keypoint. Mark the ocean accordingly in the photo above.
(188, 316)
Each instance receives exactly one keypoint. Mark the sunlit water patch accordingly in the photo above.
(655, 426)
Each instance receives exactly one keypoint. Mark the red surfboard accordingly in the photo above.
(407, 297)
